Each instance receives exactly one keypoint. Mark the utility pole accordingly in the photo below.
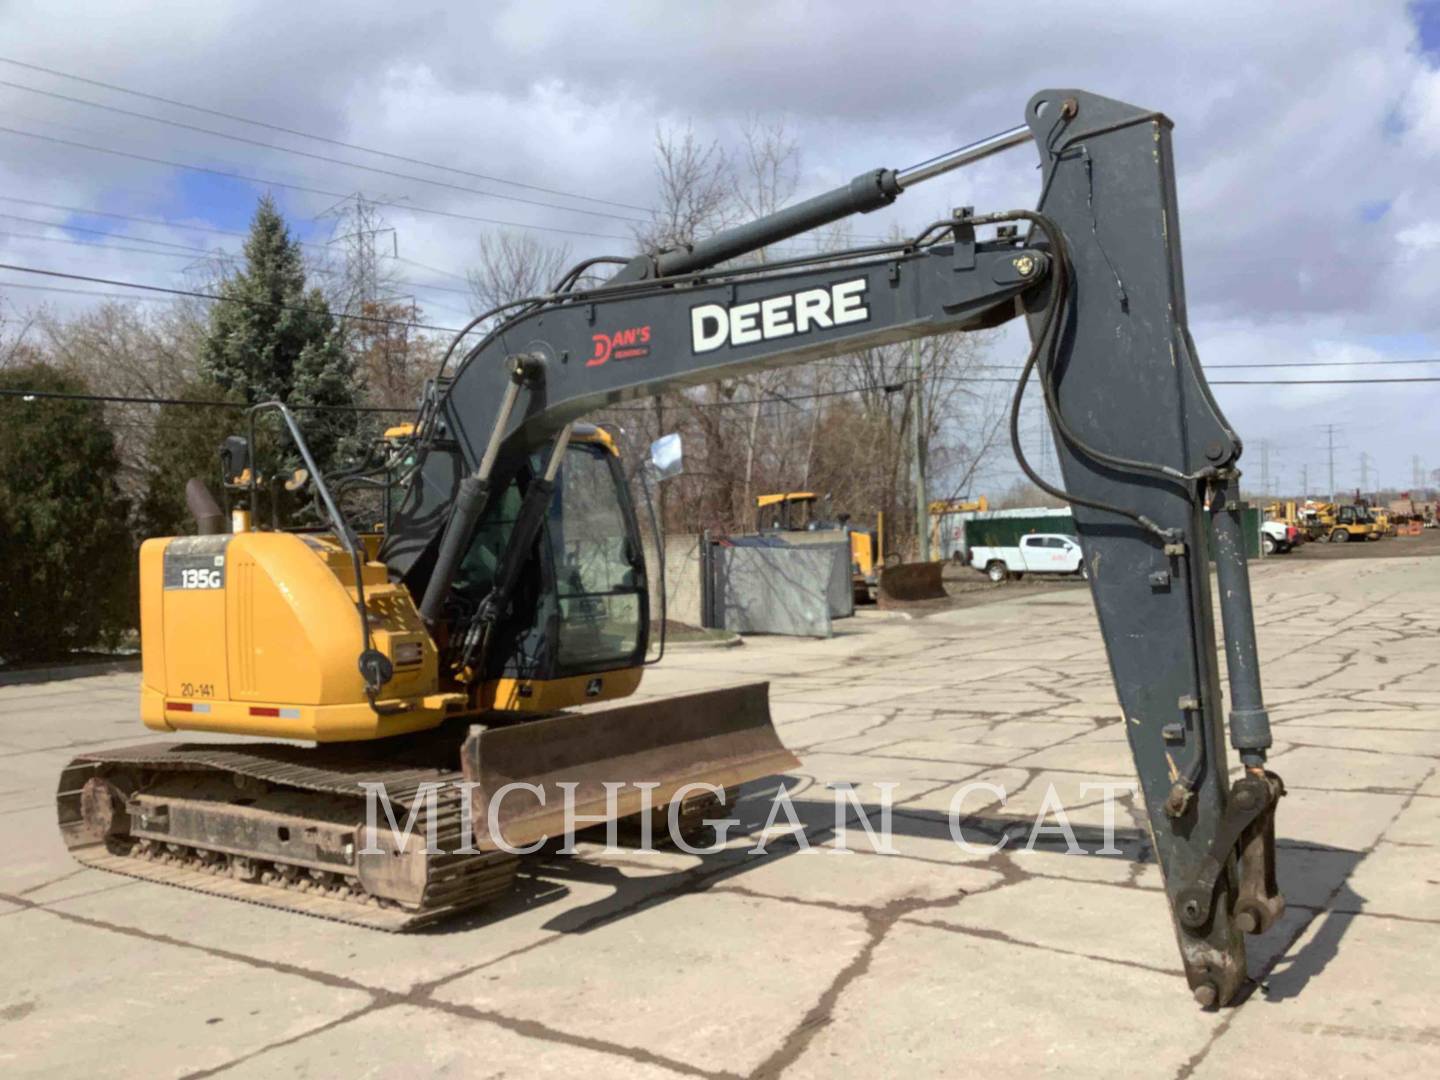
(1330, 441)
(922, 508)
(1364, 473)
(1417, 473)
(1265, 468)
(1304, 482)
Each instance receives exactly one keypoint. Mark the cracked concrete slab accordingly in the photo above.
(717, 980)
(1395, 879)
(143, 1007)
(862, 879)
(382, 961)
(942, 1003)
(409, 1041)
(1354, 996)
(1122, 924)
(919, 964)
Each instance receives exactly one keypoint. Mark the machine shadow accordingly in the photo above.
(549, 878)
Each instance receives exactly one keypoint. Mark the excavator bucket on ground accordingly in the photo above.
(906, 582)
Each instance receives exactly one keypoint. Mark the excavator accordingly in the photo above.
(472, 659)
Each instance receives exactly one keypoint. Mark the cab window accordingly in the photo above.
(598, 568)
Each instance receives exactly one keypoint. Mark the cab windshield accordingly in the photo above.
(598, 568)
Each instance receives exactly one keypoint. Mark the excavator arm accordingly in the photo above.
(1149, 462)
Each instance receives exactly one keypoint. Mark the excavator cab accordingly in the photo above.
(581, 618)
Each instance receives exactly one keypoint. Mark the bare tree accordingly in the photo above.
(694, 190)
(512, 266)
(123, 350)
(769, 169)
(13, 332)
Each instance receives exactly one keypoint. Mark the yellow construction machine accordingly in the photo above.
(1338, 523)
(461, 670)
(941, 507)
(798, 511)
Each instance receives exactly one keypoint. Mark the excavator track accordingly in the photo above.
(280, 826)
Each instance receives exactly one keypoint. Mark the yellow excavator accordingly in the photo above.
(464, 670)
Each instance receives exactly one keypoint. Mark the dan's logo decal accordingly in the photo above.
(628, 344)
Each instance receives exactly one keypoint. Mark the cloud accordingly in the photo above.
(1306, 142)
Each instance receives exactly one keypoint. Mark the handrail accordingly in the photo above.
(374, 675)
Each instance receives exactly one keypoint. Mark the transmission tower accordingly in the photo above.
(358, 225)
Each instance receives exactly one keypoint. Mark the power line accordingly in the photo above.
(316, 138)
(1323, 363)
(1321, 382)
(113, 247)
(321, 157)
(432, 269)
(1268, 364)
(123, 399)
(161, 222)
(196, 295)
(191, 251)
(301, 187)
(104, 232)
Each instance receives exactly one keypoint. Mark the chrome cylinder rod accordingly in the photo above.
(965, 155)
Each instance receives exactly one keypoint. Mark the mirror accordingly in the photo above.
(667, 456)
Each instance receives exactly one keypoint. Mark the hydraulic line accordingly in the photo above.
(1046, 341)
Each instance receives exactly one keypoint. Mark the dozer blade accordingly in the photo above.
(720, 737)
(904, 582)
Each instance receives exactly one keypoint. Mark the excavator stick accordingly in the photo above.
(1149, 464)
(647, 754)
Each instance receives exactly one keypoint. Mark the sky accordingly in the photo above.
(1307, 139)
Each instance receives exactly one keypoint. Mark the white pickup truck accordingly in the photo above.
(1037, 553)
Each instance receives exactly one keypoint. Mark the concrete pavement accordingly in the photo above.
(931, 962)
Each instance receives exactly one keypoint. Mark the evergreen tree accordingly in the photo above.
(276, 340)
(67, 560)
(185, 443)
